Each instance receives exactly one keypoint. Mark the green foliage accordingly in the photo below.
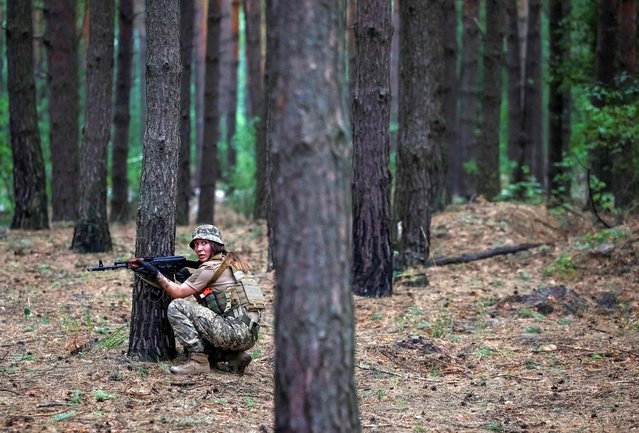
(242, 180)
(563, 267)
(6, 164)
(593, 240)
(100, 395)
(64, 415)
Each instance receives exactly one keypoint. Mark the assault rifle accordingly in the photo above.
(168, 265)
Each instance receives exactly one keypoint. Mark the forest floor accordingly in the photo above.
(544, 340)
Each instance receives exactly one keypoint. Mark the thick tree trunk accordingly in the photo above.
(151, 337)
(29, 182)
(62, 78)
(372, 250)
(187, 17)
(488, 155)
(314, 329)
(421, 124)
(92, 230)
(208, 160)
(122, 118)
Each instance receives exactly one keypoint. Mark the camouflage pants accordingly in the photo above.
(197, 327)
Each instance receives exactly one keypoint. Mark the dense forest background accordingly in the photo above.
(567, 127)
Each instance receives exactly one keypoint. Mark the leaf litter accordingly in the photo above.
(541, 340)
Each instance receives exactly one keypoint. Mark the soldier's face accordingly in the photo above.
(203, 249)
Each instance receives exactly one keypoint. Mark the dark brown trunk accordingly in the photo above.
(232, 102)
(314, 386)
(120, 212)
(187, 17)
(372, 250)
(421, 124)
(91, 233)
(515, 85)
(199, 67)
(469, 98)
(208, 160)
(450, 97)
(29, 181)
(533, 127)
(558, 102)
(488, 152)
(151, 337)
(62, 79)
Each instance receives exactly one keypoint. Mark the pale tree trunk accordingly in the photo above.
(91, 232)
(187, 17)
(120, 211)
(208, 159)
(488, 155)
(372, 249)
(29, 181)
(421, 125)
(62, 79)
(151, 337)
(314, 378)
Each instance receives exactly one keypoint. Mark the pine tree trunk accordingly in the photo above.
(558, 102)
(533, 127)
(314, 329)
(450, 99)
(232, 102)
(29, 182)
(62, 79)
(122, 116)
(469, 98)
(515, 86)
(208, 160)
(151, 337)
(91, 233)
(372, 250)
(187, 17)
(421, 124)
(488, 155)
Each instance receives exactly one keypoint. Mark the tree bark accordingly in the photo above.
(231, 112)
(120, 211)
(515, 87)
(151, 337)
(208, 160)
(91, 233)
(558, 102)
(464, 165)
(314, 329)
(29, 181)
(62, 79)
(372, 250)
(421, 125)
(488, 155)
(187, 17)
(256, 101)
(450, 98)
(533, 123)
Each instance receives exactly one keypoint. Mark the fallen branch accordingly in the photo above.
(471, 257)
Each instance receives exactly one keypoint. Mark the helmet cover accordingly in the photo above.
(207, 232)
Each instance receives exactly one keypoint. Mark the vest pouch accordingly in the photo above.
(249, 291)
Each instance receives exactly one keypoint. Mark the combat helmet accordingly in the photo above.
(208, 232)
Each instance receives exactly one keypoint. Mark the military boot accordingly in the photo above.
(238, 361)
(199, 363)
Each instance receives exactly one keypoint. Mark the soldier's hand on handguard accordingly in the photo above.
(146, 270)
(182, 275)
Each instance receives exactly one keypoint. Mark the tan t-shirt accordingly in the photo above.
(201, 278)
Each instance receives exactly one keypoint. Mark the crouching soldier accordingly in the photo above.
(224, 323)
